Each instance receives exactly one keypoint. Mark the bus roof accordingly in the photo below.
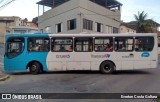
(81, 35)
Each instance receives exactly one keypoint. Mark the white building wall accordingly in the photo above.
(60, 14)
(79, 9)
(124, 29)
(62, 18)
(98, 18)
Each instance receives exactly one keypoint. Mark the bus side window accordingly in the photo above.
(38, 44)
(104, 44)
(144, 44)
(124, 44)
(83, 44)
(62, 44)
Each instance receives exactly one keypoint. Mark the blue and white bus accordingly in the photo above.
(95, 52)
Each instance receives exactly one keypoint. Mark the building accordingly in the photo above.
(27, 27)
(77, 16)
(13, 24)
(6, 23)
(125, 28)
(153, 27)
(24, 30)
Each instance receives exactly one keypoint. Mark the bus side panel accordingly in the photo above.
(98, 57)
(58, 61)
(40, 57)
(11, 65)
(154, 54)
(19, 63)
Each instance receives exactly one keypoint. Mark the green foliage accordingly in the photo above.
(141, 23)
(35, 20)
(144, 25)
(25, 20)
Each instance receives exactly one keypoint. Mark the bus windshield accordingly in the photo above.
(15, 47)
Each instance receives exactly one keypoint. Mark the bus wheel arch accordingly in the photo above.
(107, 67)
(35, 67)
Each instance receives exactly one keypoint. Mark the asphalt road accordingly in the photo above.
(140, 81)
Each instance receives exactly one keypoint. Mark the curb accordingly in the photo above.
(5, 77)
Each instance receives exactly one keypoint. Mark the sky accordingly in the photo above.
(29, 9)
(21, 8)
(131, 7)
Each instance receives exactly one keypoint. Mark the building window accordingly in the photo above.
(62, 44)
(20, 31)
(115, 30)
(124, 44)
(87, 24)
(48, 29)
(104, 44)
(144, 44)
(98, 27)
(83, 44)
(71, 24)
(108, 29)
(59, 28)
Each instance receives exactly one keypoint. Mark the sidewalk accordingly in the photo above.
(3, 75)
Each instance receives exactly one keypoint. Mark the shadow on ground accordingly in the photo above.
(126, 72)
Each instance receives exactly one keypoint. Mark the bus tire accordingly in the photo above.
(107, 67)
(35, 68)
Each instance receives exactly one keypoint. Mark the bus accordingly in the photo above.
(68, 52)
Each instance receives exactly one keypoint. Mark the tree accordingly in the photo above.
(35, 20)
(25, 20)
(141, 22)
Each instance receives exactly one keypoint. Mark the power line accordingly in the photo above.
(6, 3)
(1, 1)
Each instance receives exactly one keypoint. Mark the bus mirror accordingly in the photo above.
(5, 54)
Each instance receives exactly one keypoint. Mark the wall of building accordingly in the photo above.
(98, 18)
(100, 10)
(124, 29)
(61, 18)
(9, 22)
(2, 31)
(6, 25)
(79, 9)
(60, 14)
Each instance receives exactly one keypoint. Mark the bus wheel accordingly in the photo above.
(35, 68)
(107, 67)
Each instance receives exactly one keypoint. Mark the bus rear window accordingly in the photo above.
(15, 47)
